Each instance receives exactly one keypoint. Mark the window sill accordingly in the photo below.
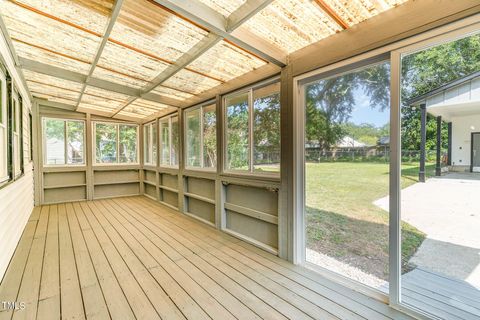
(256, 176)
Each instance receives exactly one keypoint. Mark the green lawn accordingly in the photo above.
(342, 221)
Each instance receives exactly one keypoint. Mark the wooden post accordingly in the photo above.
(438, 168)
(423, 138)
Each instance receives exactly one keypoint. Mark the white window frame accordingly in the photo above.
(4, 176)
(149, 126)
(250, 171)
(117, 163)
(444, 34)
(202, 150)
(168, 119)
(44, 145)
(17, 141)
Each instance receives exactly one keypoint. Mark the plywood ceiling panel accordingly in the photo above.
(40, 31)
(172, 93)
(356, 11)
(224, 7)
(191, 82)
(129, 62)
(50, 58)
(37, 87)
(90, 14)
(119, 78)
(292, 24)
(133, 115)
(102, 98)
(225, 61)
(151, 29)
(95, 109)
(147, 104)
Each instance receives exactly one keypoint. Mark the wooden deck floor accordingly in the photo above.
(130, 258)
(441, 296)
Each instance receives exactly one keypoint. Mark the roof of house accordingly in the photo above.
(443, 88)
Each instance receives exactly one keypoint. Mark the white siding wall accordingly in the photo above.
(462, 127)
(16, 199)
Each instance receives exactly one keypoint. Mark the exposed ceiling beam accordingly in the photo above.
(211, 20)
(113, 18)
(245, 12)
(332, 14)
(6, 36)
(95, 82)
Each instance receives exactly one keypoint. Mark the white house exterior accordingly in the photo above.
(458, 103)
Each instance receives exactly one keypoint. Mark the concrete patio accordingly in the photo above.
(447, 210)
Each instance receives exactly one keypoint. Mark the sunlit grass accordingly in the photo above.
(342, 220)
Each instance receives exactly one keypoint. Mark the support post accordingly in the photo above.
(449, 152)
(438, 168)
(423, 139)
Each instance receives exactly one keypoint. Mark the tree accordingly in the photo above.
(330, 102)
(266, 128)
(237, 135)
(210, 138)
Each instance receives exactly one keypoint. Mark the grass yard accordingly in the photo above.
(343, 222)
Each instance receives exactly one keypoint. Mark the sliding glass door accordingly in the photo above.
(346, 171)
(387, 177)
(440, 207)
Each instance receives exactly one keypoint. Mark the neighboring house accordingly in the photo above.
(348, 142)
(55, 151)
(458, 104)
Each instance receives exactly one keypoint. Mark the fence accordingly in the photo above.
(365, 155)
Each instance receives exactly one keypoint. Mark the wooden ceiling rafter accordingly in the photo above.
(113, 18)
(332, 14)
(74, 25)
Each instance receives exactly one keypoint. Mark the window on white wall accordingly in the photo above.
(169, 141)
(252, 130)
(150, 143)
(116, 143)
(3, 129)
(63, 141)
(17, 134)
(201, 137)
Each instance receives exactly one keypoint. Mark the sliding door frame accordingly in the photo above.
(394, 53)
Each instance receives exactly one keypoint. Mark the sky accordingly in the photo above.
(364, 113)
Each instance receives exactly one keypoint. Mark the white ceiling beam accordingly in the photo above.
(113, 18)
(94, 82)
(213, 21)
(208, 18)
(245, 12)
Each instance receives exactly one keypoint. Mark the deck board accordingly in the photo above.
(442, 296)
(131, 258)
